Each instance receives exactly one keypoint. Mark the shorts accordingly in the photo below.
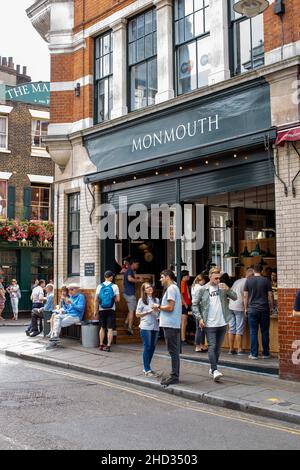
(131, 302)
(237, 323)
(107, 319)
(185, 311)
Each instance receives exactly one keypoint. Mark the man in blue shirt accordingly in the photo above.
(39, 312)
(72, 313)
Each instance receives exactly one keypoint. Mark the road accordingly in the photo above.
(42, 407)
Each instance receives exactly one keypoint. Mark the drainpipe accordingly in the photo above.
(57, 241)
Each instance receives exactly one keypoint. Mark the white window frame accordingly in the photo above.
(2, 217)
(39, 207)
(6, 134)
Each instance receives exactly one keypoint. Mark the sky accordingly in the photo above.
(18, 39)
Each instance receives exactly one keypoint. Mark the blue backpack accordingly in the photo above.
(106, 296)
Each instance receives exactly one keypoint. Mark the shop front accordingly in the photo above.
(211, 156)
(15, 258)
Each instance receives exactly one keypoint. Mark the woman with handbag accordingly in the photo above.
(15, 295)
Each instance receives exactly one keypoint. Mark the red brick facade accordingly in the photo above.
(289, 335)
(291, 25)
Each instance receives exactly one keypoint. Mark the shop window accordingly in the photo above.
(39, 129)
(3, 199)
(40, 203)
(221, 239)
(3, 132)
(104, 77)
(41, 265)
(74, 234)
(142, 51)
(192, 44)
(247, 41)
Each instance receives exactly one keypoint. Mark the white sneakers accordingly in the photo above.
(216, 375)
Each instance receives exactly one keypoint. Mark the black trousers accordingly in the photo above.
(173, 342)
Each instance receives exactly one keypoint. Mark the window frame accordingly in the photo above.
(106, 78)
(72, 247)
(139, 63)
(233, 39)
(41, 146)
(6, 132)
(195, 39)
(3, 217)
(39, 207)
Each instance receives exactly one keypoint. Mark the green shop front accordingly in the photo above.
(214, 151)
(26, 261)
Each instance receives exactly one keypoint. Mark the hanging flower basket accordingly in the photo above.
(36, 230)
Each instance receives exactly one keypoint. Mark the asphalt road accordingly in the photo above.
(46, 408)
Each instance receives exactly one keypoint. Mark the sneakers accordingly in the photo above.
(232, 353)
(217, 376)
(254, 358)
(107, 349)
(149, 373)
(101, 347)
(130, 331)
(267, 357)
(34, 333)
(169, 381)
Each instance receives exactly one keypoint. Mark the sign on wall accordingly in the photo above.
(34, 92)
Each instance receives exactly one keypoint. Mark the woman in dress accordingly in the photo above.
(2, 299)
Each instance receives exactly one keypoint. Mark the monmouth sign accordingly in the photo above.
(34, 92)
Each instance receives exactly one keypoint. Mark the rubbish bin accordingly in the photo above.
(90, 334)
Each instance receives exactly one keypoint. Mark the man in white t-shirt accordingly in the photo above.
(211, 308)
(107, 294)
(38, 299)
(170, 321)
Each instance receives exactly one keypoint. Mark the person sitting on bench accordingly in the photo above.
(39, 312)
(72, 313)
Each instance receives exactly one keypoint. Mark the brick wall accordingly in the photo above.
(289, 336)
(288, 255)
(20, 162)
(272, 24)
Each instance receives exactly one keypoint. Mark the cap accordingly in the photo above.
(108, 274)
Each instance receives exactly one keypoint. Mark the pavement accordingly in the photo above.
(254, 392)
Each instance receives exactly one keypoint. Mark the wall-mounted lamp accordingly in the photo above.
(250, 8)
(77, 89)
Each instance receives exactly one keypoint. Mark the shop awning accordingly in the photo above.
(288, 135)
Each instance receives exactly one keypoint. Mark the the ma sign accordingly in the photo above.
(34, 92)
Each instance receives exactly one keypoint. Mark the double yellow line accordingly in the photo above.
(132, 391)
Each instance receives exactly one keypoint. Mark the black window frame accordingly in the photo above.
(147, 60)
(106, 79)
(234, 34)
(195, 39)
(72, 247)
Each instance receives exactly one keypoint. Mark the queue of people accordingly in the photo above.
(216, 308)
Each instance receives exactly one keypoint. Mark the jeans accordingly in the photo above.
(15, 306)
(200, 335)
(215, 338)
(149, 338)
(173, 342)
(262, 320)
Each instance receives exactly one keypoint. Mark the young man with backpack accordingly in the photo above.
(107, 294)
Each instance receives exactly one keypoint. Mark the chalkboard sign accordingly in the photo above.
(89, 269)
